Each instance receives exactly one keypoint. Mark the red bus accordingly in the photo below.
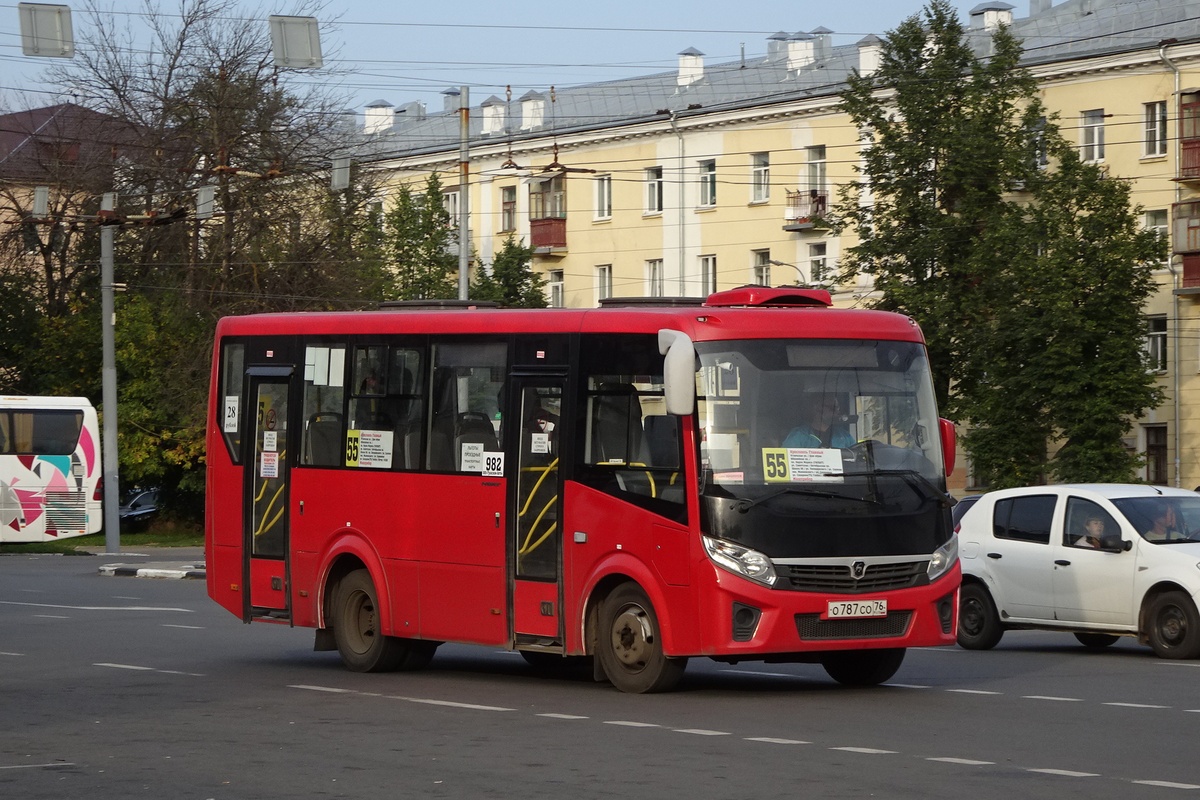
(638, 484)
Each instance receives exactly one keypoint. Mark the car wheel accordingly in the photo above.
(1096, 641)
(1174, 626)
(978, 623)
(863, 667)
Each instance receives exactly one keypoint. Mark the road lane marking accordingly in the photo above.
(906, 685)
(50, 616)
(562, 716)
(1135, 705)
(11, 654)
(1051, 697)
(773, 740)
(330, 689)
(139, 668)
(96, 608)
(1168, 784)
(972, 691)
(448, 703)
(700, 732)
(185, 627)
(969, 762)
(629, 724)
(38, 766)
(761, 674)
(870, 751)
(1066, 773)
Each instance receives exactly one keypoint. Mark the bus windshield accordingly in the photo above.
(825, 447)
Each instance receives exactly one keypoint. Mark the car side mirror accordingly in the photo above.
(1115, 544)
(946, 429)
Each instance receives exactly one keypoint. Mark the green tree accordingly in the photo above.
(417, 244)
(511, 280)
(1024, 266)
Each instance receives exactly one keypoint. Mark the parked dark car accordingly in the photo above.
(139, 507)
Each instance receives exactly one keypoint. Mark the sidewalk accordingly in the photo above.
(156, 562)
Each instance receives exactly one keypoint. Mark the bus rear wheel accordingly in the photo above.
(863, 667)
(356, 628)
(629, 644)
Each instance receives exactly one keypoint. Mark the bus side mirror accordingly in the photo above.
(949, 444)
(679, 371)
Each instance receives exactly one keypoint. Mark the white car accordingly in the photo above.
(1097, 560)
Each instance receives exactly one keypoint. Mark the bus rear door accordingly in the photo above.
(265, 486)
(535, 546)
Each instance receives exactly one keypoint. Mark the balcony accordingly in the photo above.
(1185, 242)
(548, 236)
(805, 210)
(1189, 137)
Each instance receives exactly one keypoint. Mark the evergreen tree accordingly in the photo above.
(417, 244)
(511, 281)
(1024, 266)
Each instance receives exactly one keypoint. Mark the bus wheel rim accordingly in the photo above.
(632, 636)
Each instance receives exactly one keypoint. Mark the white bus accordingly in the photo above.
(50, 470)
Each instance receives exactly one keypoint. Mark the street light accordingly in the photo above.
(800, 279)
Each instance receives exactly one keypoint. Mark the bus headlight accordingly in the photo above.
(740, 560)
(943, 559)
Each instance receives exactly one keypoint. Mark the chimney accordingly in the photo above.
(800, 49)
(410, 112)
(691, 67)
(451, 101)
(533, 110)
(990, 16)
(379, 117)
(777, 46)
(824, 44)
(494, 116)
(1039, 7)
(870, 54)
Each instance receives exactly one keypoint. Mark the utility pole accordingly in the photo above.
(464, 169)
(108, 447)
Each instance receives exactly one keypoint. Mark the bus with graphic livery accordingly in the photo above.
(50, 470)
(634, 484)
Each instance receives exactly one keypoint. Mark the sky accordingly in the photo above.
(400, 51)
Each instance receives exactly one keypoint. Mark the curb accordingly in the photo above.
(193, 571)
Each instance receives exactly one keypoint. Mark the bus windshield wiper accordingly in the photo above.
(920, 484)
(745, 504)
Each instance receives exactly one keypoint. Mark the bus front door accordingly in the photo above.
(535, 546)
(265, 522)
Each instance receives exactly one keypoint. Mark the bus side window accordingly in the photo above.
(324, 376)
(468, 381)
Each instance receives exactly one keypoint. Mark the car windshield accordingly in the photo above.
(821, 447)
(1163, 520)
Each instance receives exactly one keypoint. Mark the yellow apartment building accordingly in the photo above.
(708, 177)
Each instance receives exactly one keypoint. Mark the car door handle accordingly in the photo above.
(995, 555)
(1062, 562)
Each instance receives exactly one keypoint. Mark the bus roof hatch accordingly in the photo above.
(752, 295)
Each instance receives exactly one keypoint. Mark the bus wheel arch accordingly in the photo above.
(628, 642)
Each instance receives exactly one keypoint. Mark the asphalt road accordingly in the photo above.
(117, 687)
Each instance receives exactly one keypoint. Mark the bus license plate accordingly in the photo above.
(849, 609)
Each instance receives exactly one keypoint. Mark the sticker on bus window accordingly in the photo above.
(369, 449)
(269, 465)
(540, 443)
(493, 465)
(738, 477)
(802, 464)
(270, 441)
(231, 414)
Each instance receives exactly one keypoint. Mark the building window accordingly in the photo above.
(1156, 343)
(1156, 454)
(814, 168)
(604, 282)
(556, 288)
(548, 199)
(708, 183)
(450, 205)
(1157, 220)
(508, 208)
(655, 285)
(603, 197)
(762, 267)
(1092, 135)
(760, 177)
(654, 190)
(708, 275)
(1156, 129)
(816, 263)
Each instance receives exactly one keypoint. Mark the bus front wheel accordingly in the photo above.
(629, 644)
(863, 667)
(356, 629)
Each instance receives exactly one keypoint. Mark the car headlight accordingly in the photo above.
(740, 560)
(943, 559)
